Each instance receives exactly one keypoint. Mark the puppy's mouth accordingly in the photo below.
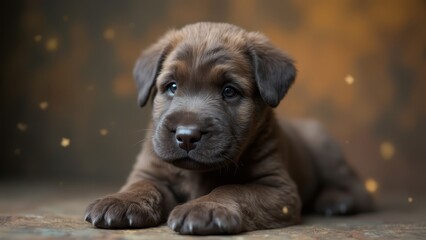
(187, 151)
(191, 164)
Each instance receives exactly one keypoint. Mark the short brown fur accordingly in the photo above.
(217, 161)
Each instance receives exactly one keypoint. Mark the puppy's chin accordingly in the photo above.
(191, 164)
(194, 160)
(191, 161)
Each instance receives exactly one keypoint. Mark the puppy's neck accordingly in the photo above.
(261, 138)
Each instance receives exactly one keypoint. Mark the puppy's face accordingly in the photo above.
(204, 106)
(213, 84)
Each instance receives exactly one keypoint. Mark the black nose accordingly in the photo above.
(186, 137)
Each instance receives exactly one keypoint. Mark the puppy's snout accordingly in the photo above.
(187, 136)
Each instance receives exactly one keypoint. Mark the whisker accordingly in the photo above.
(141, 141)
(138, 142)
(144, 130)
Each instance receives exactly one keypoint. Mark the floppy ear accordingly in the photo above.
(274, 71)
(147, 68)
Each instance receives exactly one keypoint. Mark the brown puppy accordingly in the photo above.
(217, 160)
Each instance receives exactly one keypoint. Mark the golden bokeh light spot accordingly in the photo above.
(349, 79)
(22, 127)
(103, 132)
(410, 199)
(38, 38)
(17, 151)
(371, 185)
(43, 105)
(285, 210)
(387, 150)
(91, 87)
(52, 44)
(65, 142)
(123, 85)
(109, 34)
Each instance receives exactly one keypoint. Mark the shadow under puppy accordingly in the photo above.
(217, 160)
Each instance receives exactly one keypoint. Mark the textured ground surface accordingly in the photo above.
(55, 210)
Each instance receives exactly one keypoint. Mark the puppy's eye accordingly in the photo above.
(171, 88)
(229, 92)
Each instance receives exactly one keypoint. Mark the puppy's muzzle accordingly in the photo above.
(187, 137)
(191, 140)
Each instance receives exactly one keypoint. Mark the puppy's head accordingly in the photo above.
(212, 84)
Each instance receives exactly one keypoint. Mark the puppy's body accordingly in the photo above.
(219, 162)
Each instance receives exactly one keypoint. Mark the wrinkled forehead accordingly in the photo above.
(195, 60)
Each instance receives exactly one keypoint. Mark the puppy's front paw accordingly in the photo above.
(123, 210)
(203, 218)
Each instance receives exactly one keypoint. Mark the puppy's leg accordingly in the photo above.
(231, 209)
(140, 204)
(342, 192)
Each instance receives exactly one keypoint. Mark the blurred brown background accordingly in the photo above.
(68, 101)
